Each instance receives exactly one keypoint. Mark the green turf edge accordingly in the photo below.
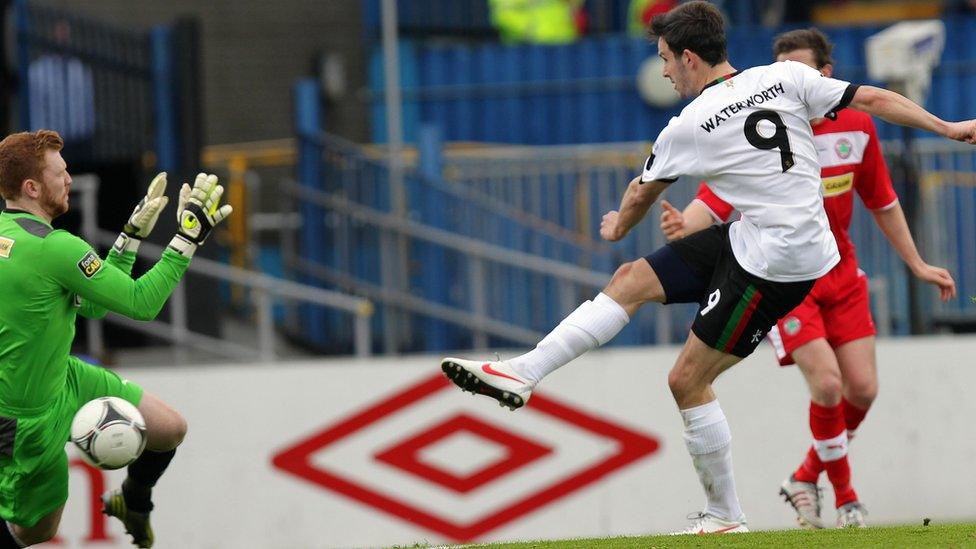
(936, 536)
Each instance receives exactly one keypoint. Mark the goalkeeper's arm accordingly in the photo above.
(75, 265)
(139, 225)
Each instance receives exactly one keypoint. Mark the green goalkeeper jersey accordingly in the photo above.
(48, 277)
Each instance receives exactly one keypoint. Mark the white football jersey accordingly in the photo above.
(748, 135)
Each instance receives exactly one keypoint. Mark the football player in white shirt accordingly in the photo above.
(748, 135)
(830, 336)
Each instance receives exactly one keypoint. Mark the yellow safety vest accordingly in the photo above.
(534, 21)
(635, 19)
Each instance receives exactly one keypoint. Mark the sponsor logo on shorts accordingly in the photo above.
(90, 264)
(76, 301)
(756, 337)
(713, 300)
(791, 325)
(6, 244)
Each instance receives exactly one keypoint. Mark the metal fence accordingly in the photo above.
(503, 244)
(525, 177)
(449, 261)
(90, 81)
(117, 96)
(264, 292)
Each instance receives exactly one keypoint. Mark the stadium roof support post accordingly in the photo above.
(313, 245)
(164, 99)
(434, 280)
(394, 251)
(188, 78)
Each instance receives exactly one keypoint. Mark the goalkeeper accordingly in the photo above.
(49, 277)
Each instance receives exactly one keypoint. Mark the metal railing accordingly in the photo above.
(523, 177)
(264, 289)
(557, 195)
(478, 253)
(490, 276)
(468, 253)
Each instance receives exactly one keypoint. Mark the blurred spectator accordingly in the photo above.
(62, 93)
(538, 21)
(960, 7)
(774, 13)
(642, 11)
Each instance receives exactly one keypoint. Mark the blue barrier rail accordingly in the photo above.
(547, 201)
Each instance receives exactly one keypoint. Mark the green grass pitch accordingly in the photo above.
(901, 537)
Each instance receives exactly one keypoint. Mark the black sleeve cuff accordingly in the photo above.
(661, 179)
(845, 100)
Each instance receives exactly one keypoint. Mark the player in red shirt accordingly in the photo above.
(831, 334)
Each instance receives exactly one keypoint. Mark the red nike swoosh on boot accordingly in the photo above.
(486, 367)
(702, 532)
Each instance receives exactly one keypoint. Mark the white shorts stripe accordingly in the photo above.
(777, 341)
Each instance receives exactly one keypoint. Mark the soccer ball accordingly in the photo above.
(110, 432)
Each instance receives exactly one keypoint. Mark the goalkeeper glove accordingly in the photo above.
(144, 216)
(198, 213)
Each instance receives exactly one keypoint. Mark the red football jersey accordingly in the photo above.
(850, 159)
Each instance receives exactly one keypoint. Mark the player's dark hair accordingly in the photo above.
(22, 158)
(806, 39)
(695, 26)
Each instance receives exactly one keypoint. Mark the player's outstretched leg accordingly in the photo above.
(495, 379)
(511, 382)
(132, 503)
(592, 324)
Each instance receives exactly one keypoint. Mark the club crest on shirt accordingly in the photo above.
(90, 264)
(6, 244)
(843, 148)
(791, 325)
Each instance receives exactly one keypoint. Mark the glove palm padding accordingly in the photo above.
(147, 211)
(199, 208)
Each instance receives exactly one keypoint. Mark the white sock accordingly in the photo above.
(709, 442)
(592, 324)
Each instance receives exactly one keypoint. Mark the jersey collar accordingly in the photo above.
(719, 80)
(18, 211)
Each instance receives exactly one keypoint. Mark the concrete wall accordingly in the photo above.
(253, 52)
(347, 453)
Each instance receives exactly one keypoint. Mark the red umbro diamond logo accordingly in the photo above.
(408, 456)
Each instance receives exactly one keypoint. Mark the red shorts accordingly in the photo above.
(837, 309)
